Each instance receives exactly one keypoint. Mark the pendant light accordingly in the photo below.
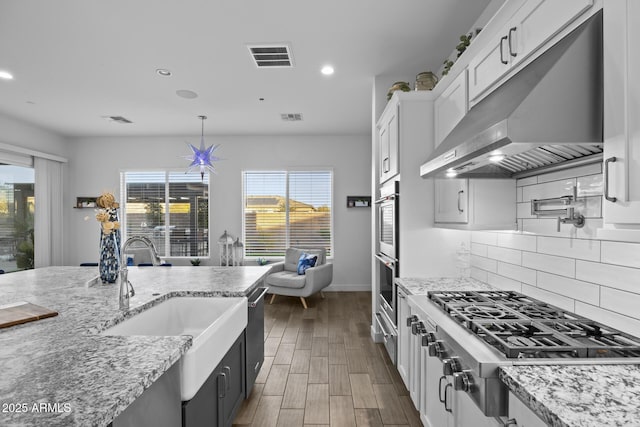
(202, 158)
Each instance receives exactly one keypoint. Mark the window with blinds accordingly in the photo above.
(170, 208)
(287, 209)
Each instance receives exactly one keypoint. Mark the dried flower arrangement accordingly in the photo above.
(107, 204)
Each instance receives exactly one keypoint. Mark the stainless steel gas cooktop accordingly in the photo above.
(519, 326)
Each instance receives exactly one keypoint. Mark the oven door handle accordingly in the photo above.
(389, 262)
(389, 198)
(385, 333)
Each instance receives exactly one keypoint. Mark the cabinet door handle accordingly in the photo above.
(502, 39)
(446, 400)
(385, 165)
(222, 385)
(440, 398)
(227, 371)
(511, 31)
(606, 179)
(459, 194)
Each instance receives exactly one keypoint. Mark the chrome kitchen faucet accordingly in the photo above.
(125, 294)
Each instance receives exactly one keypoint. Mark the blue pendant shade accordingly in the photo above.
(202, 158)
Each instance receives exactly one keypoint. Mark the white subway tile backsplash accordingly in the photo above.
(548, 190)
(622, 302)
(626, 324)
(549, 263)
(520, 241)
(571, 269)
(574, 248)
(548, 227)
(627, 254)
(561, 301)
(479, 274)
(523, 210)
(516, 272)
(590, 185)
(484, 237)
(576, 289)
(512, 256)
(487, 264)
(613, 276)
(504, 283)
(527, 181)
(590, 207)
(479, 249)
(594, 168)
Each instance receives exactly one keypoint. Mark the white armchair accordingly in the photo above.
(283, 279)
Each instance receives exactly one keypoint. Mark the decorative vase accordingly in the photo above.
(109, 265)
(426, 81)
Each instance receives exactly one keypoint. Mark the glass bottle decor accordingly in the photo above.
(109, 264)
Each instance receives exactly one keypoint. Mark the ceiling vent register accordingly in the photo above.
(291, 117)
(271, 56)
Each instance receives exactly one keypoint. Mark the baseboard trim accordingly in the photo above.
(347, 288)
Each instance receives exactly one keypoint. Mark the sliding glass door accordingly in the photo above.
(17, 208)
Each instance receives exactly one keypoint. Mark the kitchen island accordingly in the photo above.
(61, 372)
(562, 395)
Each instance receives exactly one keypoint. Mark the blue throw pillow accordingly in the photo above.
(306, 260)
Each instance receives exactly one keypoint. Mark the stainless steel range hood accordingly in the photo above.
(549, 113)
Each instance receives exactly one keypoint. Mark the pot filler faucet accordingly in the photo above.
(126, 288)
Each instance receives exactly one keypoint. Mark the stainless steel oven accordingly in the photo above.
(388, 215)
(387, 265)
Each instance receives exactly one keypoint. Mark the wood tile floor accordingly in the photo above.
(322, 368)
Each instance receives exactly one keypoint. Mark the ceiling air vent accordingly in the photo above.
(117, 119)
(291, 117)
(271, 55)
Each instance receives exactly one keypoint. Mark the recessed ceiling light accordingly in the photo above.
(6, 75)
(163, 72)
(497, 158)
(187, 94)
(327, 70)
(451, 174)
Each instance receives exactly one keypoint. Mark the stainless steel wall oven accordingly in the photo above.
(387, 265)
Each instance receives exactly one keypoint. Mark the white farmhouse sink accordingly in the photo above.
(214, 323)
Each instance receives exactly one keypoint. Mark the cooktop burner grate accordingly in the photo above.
(523, 327)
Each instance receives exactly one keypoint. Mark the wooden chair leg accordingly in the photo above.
(273, 296)
(304, 303)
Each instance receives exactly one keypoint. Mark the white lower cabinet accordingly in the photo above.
(475, 204)
(521, 415)
(404, 338)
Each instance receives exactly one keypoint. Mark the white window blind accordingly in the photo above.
(287, 208)
(171, 208)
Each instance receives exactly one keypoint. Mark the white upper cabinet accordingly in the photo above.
(389, 144)
(450, 107)
(532, 25)
(622, 123)
(475, 204)
(452, 201)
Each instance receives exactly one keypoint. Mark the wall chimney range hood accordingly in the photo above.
(547, 116)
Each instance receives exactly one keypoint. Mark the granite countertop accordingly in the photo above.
(86, 378)
(578, 395)
(420, 286)
(561, 395)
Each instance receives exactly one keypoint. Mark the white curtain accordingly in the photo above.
(48, 238)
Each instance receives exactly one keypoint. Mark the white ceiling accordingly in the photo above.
(77, 60)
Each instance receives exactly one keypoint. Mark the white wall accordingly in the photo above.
(22, 134)
(95, 163)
